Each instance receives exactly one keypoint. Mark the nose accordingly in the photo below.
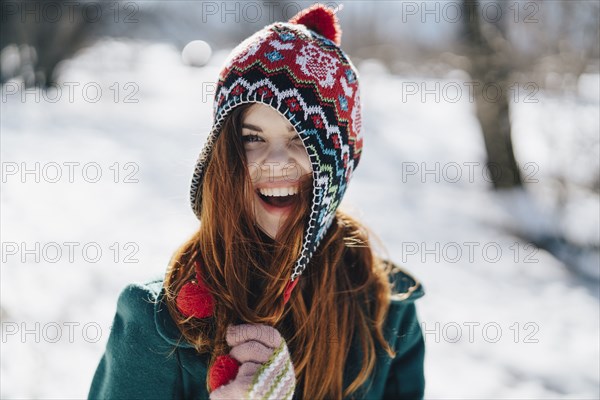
(279, 161)
(279, 153)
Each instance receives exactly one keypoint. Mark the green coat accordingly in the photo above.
(138, 363)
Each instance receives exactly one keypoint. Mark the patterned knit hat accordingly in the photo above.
(298, 68)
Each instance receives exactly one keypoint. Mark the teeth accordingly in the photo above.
(278, 192)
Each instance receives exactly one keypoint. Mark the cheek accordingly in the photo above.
(254, 172)
(301, 164)
(253, 159)
(253, 168)
(251, 155)
(304, 162)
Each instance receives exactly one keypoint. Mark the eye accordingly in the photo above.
(251, 138)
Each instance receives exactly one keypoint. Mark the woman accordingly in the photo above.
(279, 294)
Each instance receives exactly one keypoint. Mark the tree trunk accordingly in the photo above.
(490, 71)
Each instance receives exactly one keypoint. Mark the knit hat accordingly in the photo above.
(297, 68)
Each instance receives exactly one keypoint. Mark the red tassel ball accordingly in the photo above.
(222, 371)
(194, 300)
(289, 287)
(320, 19)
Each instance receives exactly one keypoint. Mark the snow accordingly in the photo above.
(534, 322)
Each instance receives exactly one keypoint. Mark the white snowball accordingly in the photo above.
(196, 53)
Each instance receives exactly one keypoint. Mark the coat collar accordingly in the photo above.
(407, 288)
(162, 319)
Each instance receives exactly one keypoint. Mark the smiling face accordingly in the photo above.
(276, 159)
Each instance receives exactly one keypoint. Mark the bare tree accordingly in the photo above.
(44, 38)
(489, 53)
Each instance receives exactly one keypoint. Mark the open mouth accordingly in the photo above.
(278, 201)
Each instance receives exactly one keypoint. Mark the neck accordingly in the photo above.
(264, 237)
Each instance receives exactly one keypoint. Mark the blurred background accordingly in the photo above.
(480, 172)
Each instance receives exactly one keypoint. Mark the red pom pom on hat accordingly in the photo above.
(194, 298)
(224, 369)
(322, 20)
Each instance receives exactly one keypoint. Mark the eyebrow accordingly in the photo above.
(258, 129)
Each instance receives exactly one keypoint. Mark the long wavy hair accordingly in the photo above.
(343, 294)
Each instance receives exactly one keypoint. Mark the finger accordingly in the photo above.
(251, 351)
(264, 334)
(249, 369)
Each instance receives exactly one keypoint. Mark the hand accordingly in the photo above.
(266, 369)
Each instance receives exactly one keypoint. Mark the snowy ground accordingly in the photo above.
(534, 323)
